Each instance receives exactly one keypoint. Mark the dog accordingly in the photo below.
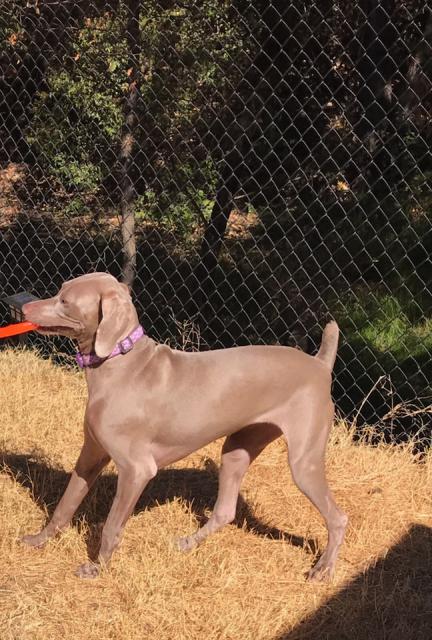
(149, 406)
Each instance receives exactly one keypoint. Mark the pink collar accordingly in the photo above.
(125, 345)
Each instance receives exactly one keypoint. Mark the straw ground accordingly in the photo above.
(246, 582)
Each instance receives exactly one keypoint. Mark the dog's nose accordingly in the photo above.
(26, 308)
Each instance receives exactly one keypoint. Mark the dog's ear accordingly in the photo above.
(118, 314)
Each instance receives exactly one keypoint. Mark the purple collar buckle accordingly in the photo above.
(121, 348)
(126, 345)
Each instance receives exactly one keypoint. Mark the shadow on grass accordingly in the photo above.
(389, 601)
(198, 487)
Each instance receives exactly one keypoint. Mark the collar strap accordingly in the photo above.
(122, 347)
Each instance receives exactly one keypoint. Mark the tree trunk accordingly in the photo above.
(214, 233)
(216, 227)
(127, 145)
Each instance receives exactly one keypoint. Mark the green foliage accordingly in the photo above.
(78, 120)
(189, 209)
(387, 325)
(10, 13)
(75, 206)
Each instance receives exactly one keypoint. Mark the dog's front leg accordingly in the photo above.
(90, 463)
(132, 481)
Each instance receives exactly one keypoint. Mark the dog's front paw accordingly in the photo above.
(37, 541)
(88, 570)
(187, 543)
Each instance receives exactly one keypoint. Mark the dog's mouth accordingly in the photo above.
(54, 329)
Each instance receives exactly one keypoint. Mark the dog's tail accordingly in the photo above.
(329, 344)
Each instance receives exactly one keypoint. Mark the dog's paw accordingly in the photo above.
(88, 570)
(36, 541)
(186, 544)
(321, 572)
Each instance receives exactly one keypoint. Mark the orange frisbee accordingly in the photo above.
(17, 328)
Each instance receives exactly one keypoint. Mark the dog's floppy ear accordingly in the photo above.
(118, 314)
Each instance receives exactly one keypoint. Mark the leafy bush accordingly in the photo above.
(76, 120)
(186, 64)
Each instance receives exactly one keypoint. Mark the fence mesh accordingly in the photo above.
(252, 168)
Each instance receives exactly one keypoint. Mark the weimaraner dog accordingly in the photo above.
(149, 406)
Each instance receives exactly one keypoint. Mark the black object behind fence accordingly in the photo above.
(251, 168)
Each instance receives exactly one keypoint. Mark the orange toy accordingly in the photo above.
(17, 328)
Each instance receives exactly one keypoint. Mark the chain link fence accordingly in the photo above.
(251, 168)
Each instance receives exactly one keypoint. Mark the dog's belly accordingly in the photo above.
(164, 455)
(181, 440)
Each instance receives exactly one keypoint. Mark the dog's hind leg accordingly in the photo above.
(239, 450)
(307, 441)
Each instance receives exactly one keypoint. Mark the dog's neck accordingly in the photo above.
(118, 368)
(88, 357)
(86, 344)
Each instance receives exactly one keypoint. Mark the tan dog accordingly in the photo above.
(150, 405)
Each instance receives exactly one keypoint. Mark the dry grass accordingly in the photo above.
(243, 583)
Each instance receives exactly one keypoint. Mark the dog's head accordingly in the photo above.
(94, 309)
